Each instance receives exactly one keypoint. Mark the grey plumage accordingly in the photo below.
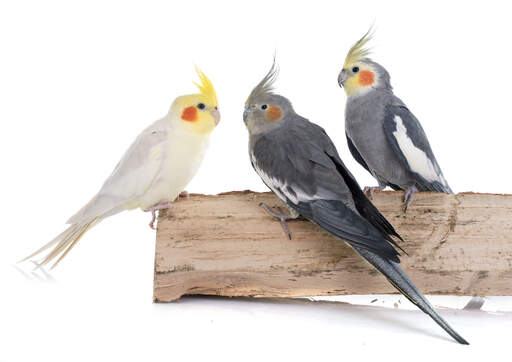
(382, 133)
(369, 125)
(297, 160)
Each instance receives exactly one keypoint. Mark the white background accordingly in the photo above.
(78, 82)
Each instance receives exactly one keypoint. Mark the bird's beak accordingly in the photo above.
(216, 115)
(246, 113)
(342, 78)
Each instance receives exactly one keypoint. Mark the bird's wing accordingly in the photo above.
(410, 144)
(133, 175)
(305, 171)
(362, 203)
(355, 153)
(298, 168)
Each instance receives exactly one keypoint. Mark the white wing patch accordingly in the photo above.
(417, 159)
(281, 188)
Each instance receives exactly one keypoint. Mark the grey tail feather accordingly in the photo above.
(404, 285)
(439, 187)
(448, 189)
(63, 243)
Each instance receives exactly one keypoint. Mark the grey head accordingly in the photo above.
(265, 110)
(360, 74)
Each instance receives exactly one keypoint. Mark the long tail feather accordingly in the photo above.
(63, 243)
(404, 284)
(75, 240)
(73, 230)
(48, 245)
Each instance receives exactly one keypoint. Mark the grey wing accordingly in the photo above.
(303, 176)
(355, 153)
(315, 164)
(409, 142)
(362, 203)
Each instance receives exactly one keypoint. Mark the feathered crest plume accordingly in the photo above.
(266, 85)
(358, 50)
(206, 87)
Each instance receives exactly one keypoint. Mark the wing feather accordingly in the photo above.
(132, 177)
(409, 142)
(355, 153)
(302, 174)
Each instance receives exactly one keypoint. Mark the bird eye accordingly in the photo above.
(264, 106)
(355, 69)
(201, 106)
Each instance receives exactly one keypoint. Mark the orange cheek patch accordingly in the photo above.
(273, 113)
(189, 114)
(366, 78)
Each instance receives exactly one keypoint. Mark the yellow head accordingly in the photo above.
(360, 74)
(198, 113)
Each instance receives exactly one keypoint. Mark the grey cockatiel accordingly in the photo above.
(382, 133)
(299, 163)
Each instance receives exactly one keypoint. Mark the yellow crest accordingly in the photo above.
(358, 50)
(206, 88)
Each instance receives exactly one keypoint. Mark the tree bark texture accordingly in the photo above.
(227, 245)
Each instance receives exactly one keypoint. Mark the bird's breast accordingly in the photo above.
(184, 154)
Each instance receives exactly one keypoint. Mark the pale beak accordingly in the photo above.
(342, 78)
(216, 115)
(246, 113)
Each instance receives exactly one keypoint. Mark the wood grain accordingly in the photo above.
(227, 245)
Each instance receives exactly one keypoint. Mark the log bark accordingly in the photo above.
(227, 245)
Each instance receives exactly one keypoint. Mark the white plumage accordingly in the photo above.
(281, 188)
(417, 159)
(154, 170)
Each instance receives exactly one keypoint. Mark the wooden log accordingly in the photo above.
(227, 245)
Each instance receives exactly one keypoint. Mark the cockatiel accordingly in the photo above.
(297, 160)
(382, 133)
(153, 172)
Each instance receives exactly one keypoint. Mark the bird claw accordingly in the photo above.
(160, 206)
(281, 215)
(153, 218)
(409, 196)
(370, 190)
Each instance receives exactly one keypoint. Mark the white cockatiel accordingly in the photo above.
(153, 172)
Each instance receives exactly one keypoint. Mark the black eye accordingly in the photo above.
(355, 69)
(201, 106)
(264, 106)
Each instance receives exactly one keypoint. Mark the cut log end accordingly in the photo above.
(227, 245)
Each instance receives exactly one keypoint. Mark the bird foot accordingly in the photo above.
(160, 206)
(370, 190)
(277, 212)
(409, 196)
